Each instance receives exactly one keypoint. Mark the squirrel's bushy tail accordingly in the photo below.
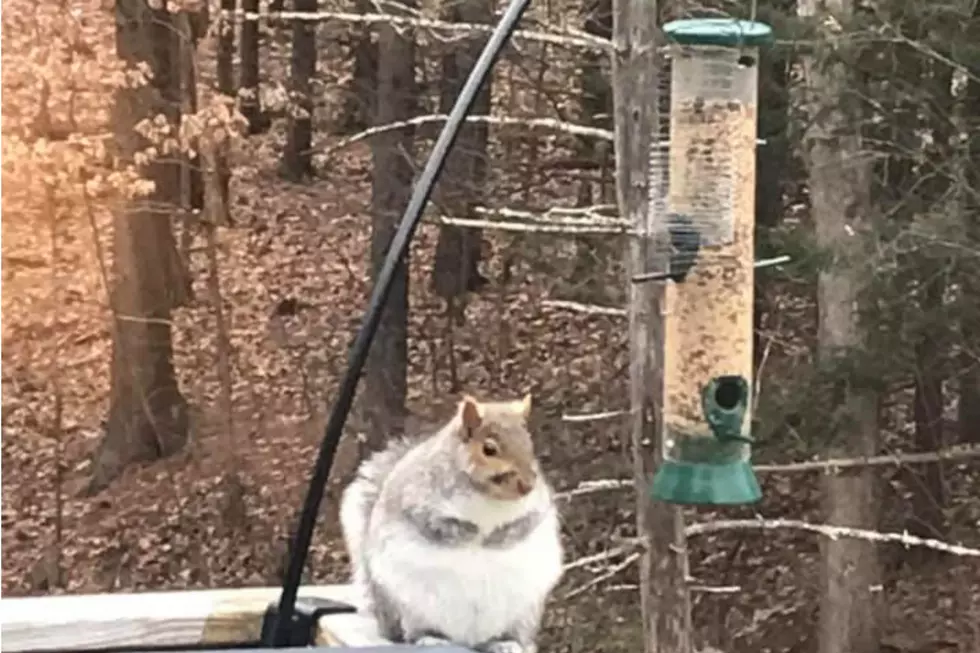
(360, 497)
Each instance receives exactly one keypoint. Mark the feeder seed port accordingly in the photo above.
(724, 401)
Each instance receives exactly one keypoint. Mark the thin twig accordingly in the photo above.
(899, 459)
(553, 228)
(591, 309)
(592, 417)
(715, 589)
(590, 487)
(757, 391)
(627, 587)
(952, 453)
(602, 556)
(533, 123)
(588, 216)
(615, 569)
(833, 532)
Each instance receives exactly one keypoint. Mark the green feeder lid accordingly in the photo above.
(728, 32)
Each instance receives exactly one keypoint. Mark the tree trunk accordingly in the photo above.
(387, 364)
(456, 270)
(148, 416)
(927, 518)
(248, 81)
(840, 184)
(359, 103)
(188, 29)
(596, 110)
(773, 159)
(297, 159)
(663, 565)
(221, 211)
(932, 349)
(968, 417)
(596, 94)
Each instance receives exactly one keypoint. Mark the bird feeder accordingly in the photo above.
(704, 220)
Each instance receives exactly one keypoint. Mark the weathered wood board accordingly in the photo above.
(186, 618)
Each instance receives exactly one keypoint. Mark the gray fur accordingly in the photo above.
(411, 499)
(366, 487)
(421, 633)
(507, 535)
(443, 531)
(386, 614)
(447, 481)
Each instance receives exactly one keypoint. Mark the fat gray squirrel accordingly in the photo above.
(454, 538)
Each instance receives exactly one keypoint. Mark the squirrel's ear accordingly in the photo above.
(526, 405)
(469, 412)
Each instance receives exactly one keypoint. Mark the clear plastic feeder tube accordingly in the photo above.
(707, 366)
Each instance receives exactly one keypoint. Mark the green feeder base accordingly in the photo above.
(706, 484)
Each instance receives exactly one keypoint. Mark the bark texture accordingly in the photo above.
(840, 189)
(456, 269)
(383, 404)
(359, 101)
(297, 159)
(248, 80)
(148, 416)
(663, 566)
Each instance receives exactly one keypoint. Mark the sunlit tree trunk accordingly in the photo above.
(148, 416)
(221, 208)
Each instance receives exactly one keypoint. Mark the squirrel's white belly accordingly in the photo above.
(471, 594)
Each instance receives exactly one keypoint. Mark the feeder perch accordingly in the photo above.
(702, 180)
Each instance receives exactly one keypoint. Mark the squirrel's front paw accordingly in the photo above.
(507, 646)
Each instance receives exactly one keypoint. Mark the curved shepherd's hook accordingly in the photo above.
(279, 635)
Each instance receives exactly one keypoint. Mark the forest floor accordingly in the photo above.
(293, 280)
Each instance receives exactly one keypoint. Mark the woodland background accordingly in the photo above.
(192, 211)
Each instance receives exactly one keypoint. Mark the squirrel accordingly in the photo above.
(455, 537)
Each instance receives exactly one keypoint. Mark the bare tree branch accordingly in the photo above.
(577, 229)
(828, 466)
(612, 571)
(569, 39)
(591, 417)
(591, 309)
(833, 532)
(533, 123)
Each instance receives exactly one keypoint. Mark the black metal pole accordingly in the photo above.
(300, 545)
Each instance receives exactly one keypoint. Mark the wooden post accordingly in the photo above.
(663, 567)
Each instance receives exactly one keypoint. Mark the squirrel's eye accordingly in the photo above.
(490, 448)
